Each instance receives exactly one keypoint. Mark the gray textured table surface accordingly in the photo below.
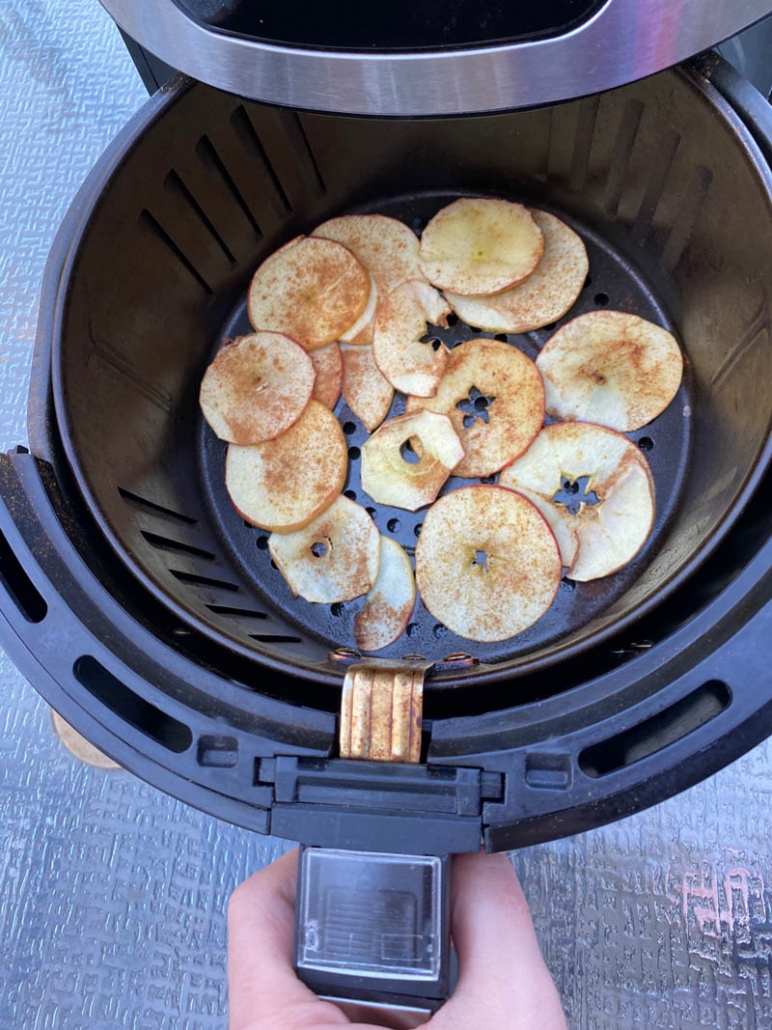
(112, 895)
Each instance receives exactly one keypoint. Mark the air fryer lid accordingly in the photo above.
(426, 57)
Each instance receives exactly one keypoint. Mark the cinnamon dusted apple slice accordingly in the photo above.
(387, 248)
(328, 365)
(409, 365)
(283, 484)
(477, 245)
(487, 564)
(611, 368)
(544, 296)
(256, 388)
(390, 602)
(365, 389)
(494, 397)
(312, 290)
(407, 460)
(601, 527)
(334, 558)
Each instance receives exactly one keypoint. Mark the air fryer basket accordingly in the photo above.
(660, 176)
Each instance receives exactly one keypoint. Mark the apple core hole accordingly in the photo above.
(408, 454)
(319, 549)
(481, 559)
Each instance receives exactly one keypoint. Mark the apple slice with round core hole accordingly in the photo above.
(256, 387)
(407, 460)
(487, 563)
(334, 558)
(494, 396)
(387, 248)
(602, 528)
(478, 245)
(312, 290)
(328, 365)
(365, 389)
(400, 323)
(610, 368)
(283, 484)
(390, 602)
(544, 296)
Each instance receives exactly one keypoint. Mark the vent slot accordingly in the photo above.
(275, 638)
(244, 613)
(245, 131)
(141, 714)
(155, 227)
(154, 508)
(175, 185)
(218, 752)
(204, 581)
(20, 587)
(310, 154)
(211, 159)
(165, 543)
(676, 722)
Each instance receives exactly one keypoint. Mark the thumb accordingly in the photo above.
(503, 980)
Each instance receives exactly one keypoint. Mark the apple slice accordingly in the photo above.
(603, 536)
(544, 296)
(365, 389)
(334, 558)
(477, 246)
(390, 602)
(409, 365)
(494, 397)
(328, 365)
(256, 387)
(487, 564)
(312, 290)
(413, 481)
(387, 248)
(283, 484)
(611, 368)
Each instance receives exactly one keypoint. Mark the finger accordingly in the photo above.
(503, 980)
(264, 992)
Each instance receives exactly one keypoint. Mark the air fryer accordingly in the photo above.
(147, 612)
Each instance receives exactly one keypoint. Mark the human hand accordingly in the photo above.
(503, 983)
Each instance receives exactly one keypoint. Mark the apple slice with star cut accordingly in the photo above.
(601, 530)
(387, 248)
(313, 290)
(487, 563)
(406, 462)
(608, 367)
(494, 396)
(283, 484)
(542, 298)
(365, 389)
(334, 558)
(478, 246)
(256, 387)
(390, 602)
(410, 365)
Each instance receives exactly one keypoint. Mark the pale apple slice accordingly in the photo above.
(334, 558)
(608, 530)
(487, 563)
(478, 245)
(390, 602)
(414, 480)
(494, 396)
(256, 387)
(544, 297)
(387, 248)
(409, 365)
(328, 365)
(283, 484)
(611, 368)
(365, 389)
(312, 290)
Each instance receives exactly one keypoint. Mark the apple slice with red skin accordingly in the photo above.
(487, 563)
(334, 558)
